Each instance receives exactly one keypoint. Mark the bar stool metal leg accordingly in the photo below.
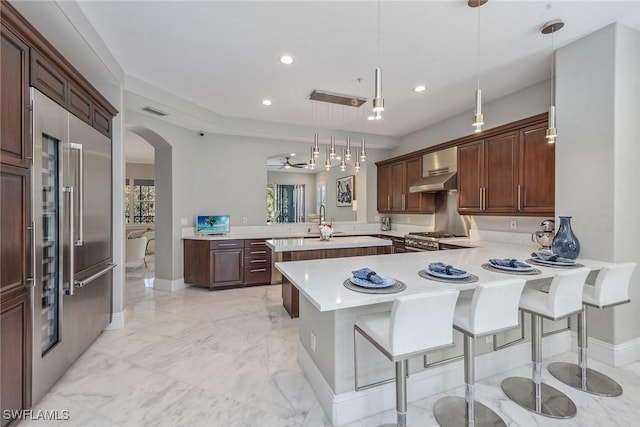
(401, 394)
(454, 411)
(535, 395)
(580, 376)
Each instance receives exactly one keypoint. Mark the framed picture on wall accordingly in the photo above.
(345, 191)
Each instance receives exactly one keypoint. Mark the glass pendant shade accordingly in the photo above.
(552, 132)
(478, 118)
(327, 163)
(332, 149)
(343, 163)
(378, 102)
(363, 153)
(312, 160)
(550, 28)
(347, 153)
(316, 149)
(356, 165)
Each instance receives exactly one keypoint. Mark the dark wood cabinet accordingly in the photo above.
(512, 173)
(15, 289)
(257, 262)
(394, 180)
(537, 171)
(228, 263)
(46, 77)
(15, 148)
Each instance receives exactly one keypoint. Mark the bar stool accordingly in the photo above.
(610, 289)
(416, 324)
(563, 300)
(493, 308)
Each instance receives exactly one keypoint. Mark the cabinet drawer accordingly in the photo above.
(257, 274)
(257, 252)
(226, 244)
(257, 244)
(257, 262)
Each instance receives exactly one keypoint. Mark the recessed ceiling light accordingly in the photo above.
(419, 88)
(286, 59)
(293, 154)
(266, 102)
(371, 118)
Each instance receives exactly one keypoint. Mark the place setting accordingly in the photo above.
(510, 266)
(441, 272)
(367, 281)
(549, 259)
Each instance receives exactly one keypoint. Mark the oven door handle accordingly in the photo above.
(411, 248)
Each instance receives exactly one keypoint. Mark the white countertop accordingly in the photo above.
(300, 244)
(279, 234)
(321, 281)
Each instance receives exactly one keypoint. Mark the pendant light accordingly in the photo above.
(347, 153)
(316, 149)
(343, 163)
(332, 149)
(363, 153)
(312, 159)
(356, 165)
(327, 163)
(378, 101)
(478, 118)
(550, 28)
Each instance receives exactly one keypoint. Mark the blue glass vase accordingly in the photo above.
(565, 244)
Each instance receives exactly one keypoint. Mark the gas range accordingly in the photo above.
(425, 241)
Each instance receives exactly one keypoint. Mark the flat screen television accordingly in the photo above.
(212, 224)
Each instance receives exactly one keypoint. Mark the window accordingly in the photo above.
(140, 201)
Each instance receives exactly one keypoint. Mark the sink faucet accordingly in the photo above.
(323, 213)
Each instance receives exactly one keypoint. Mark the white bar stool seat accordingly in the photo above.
(493, 308)
(416, 324)
(610, 289)
(563, 300)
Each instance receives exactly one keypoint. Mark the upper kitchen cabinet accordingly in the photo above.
(509, 173)
(14, 100)
(537, 171)
(394, 180)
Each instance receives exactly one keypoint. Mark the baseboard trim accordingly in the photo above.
(351, 406)
(117, 321)
(616, 355)
(169, 285)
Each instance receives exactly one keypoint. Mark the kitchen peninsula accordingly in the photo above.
(328, 311)
(312, 249)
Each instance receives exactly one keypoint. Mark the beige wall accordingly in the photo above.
(140, 170)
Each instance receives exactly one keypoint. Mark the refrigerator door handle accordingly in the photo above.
(74, 146)
(108, 268)
(69, 289)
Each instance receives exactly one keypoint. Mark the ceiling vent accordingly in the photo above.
(336, 98)
(155, 111)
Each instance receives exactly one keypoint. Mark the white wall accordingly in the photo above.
(597, 155)
(140, 170)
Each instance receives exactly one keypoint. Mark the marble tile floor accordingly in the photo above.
(228, 358)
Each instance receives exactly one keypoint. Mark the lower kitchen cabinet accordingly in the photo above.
(220, 264)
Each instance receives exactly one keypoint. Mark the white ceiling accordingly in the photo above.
(222, 55)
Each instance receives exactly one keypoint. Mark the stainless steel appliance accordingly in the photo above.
(71, 225)
(545, 236)
(385, 223)
(427, 241)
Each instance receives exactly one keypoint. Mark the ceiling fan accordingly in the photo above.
(286, 164)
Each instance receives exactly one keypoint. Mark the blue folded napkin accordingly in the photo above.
(442, 268)
(511, 263)
(550, 256)
(368, 275)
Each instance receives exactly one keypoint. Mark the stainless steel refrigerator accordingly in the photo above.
(72, 239)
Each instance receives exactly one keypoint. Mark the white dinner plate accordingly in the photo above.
(448, 276)
(388, 281)
(558, 263)
(501, 267)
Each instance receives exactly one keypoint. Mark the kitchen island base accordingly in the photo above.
(325, 355)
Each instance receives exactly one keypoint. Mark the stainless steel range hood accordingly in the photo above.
(439, 172)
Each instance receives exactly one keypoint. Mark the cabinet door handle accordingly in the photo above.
(480, 200)
(403, 202)
(257, 252)
(31, 278)
(518, 196)
(227, 244)
(257, 243)
(258, 270)
(258, 260)
(389, 202)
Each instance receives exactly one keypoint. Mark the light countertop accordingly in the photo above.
(301, 244)
(321, 281)
(279, 234)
